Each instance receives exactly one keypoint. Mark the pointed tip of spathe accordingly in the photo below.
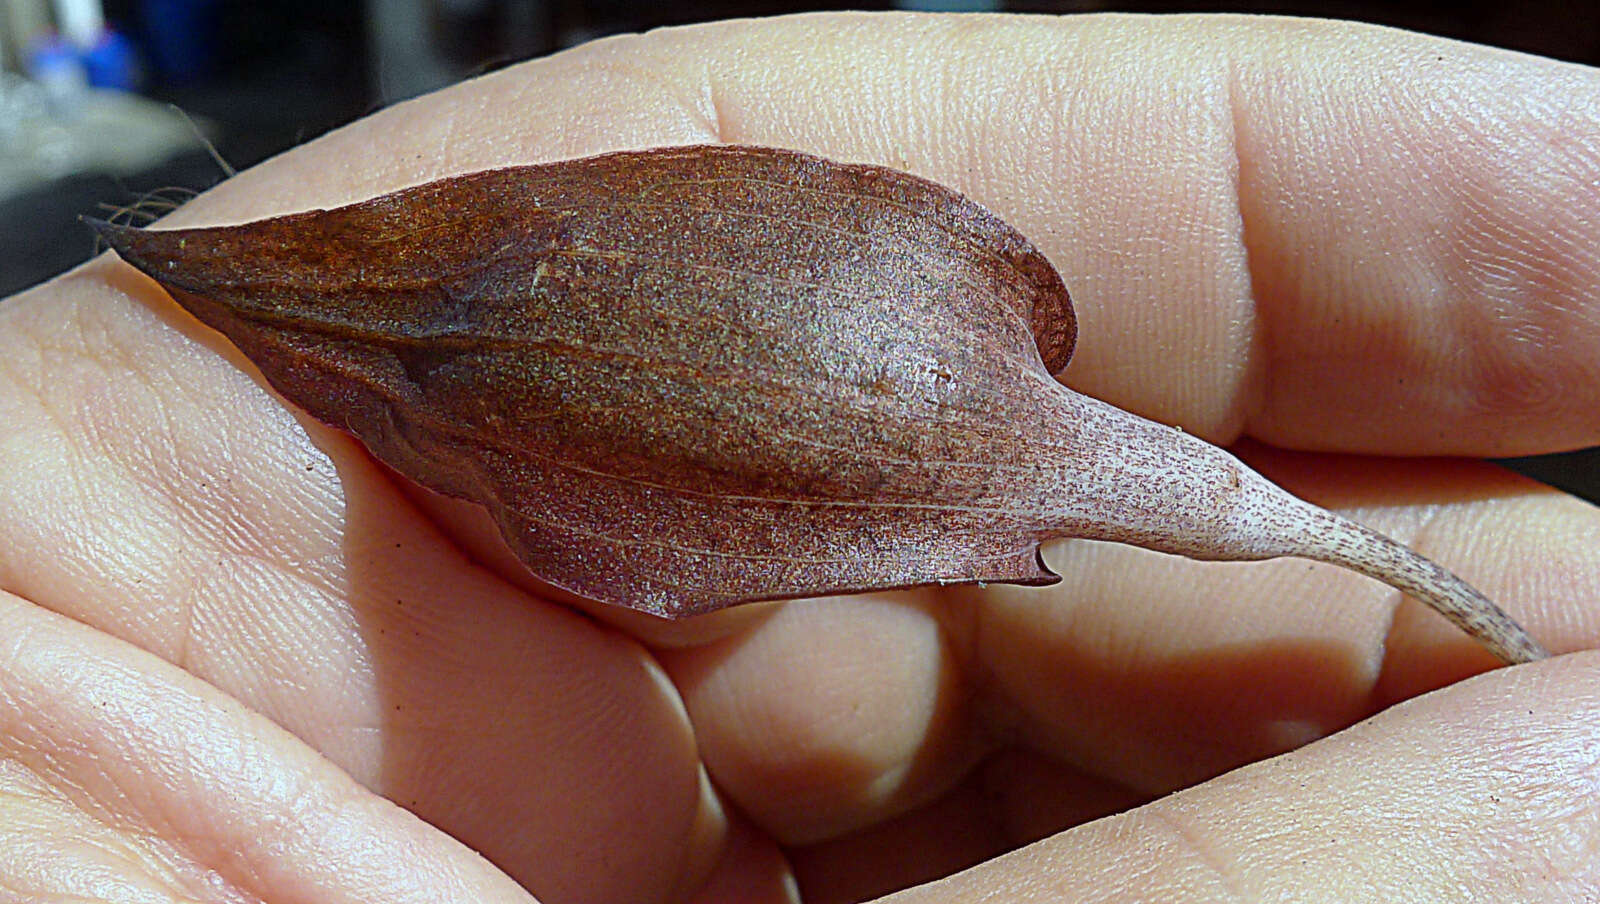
(152, 252)
(103, 227)
(115, 235)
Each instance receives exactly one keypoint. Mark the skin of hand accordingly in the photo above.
(241, 662)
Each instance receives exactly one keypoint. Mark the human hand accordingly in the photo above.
(231, 640)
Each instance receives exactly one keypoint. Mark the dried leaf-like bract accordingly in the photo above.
(685, 378)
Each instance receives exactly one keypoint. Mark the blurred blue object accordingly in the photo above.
(181, 37)
(111, 63)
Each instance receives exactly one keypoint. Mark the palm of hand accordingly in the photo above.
(862, 742)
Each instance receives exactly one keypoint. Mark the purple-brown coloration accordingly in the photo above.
(691, 377)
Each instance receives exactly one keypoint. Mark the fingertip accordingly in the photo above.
(1483, 791)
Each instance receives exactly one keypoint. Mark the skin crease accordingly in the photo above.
(231, 644)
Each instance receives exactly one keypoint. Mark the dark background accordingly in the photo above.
(264, 76)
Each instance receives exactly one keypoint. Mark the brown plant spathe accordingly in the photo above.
(685, 378)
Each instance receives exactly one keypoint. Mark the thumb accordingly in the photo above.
(124, 778)
(1488, 790)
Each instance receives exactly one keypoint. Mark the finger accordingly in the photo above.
(1481, 792)
(153, 491)
(752, 871)
(1332, 235)
(1158, 672)
(830, 713)
(123, 778)
(1012, 799)
(928, 843)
